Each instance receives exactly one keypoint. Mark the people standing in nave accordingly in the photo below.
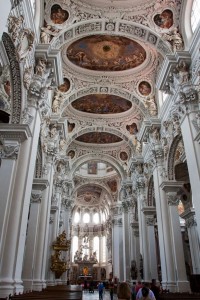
(145, 293)
(124, 291)
(155, 289)
(100, 289)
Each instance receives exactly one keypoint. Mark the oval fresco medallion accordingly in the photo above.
(102, 104)
(99, 138)
(132, 129)
(106, 53)
(123, 156)
(144, 88)
(65, 86)
(71, 153)
(58, 15)
(165, 19)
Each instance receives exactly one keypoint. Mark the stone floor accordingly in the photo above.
(95, 296)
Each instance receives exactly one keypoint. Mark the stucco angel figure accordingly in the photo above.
(183, 71)
(57, 101)
(175, 39)
(150, 104)
(47, 33)
(14, 25)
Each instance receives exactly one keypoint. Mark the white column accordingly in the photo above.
(117, 255)
(32, 232)
(135, 248)
(18, 191)
(126, 249)
(192, 151)
(191, 225)
(54, 215)
(143, 236)
(39, 276)
(165, 245)
(171, 189)
(152, 253)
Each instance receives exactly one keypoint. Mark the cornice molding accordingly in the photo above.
(15, 132)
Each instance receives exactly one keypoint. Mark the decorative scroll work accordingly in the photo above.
(9, 151)
(15, 78)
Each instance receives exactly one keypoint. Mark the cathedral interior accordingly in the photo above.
(99, 143)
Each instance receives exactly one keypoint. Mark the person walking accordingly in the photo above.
(100, 289)
(111, 289)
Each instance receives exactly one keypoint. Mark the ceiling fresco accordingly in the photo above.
(102, 104)
(144, 88)
(165, 19)
(99, 138)
(106, 53)
(58, 15)
(89, 188)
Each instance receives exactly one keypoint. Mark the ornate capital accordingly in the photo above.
(190, 222)
(150, 221)
(36, 197)
(172, 199)
(9, 151)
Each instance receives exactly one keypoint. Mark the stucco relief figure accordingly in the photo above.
(134, 270)
(150, 104)
(165, 19)
(144, 88)
(47, 33)
(14, 26)
(57, 101)
(40, 67)
(25, 43)
(5, 88)
(183, 72)
(175, 39)
(58, 15)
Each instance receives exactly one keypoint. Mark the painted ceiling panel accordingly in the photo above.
(106, 53)
(102, 104)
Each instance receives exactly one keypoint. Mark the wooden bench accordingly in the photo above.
(52, 292)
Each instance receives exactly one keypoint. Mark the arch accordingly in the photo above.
(121, 28)
(171, 157)
(186, 23)
(104, 158)
(99, 129)
(109, 90)
(92, 182)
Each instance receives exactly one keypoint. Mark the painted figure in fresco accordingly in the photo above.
(64, 87)
(165, 19)
(144, 88)
(132, 128)
(58, 15)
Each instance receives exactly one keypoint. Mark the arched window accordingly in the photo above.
(96, 246)
(195, 14)
(86, 218)
(96, 218)
(76, 217)
(74, 246)
(104, 249)
(103, 217)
